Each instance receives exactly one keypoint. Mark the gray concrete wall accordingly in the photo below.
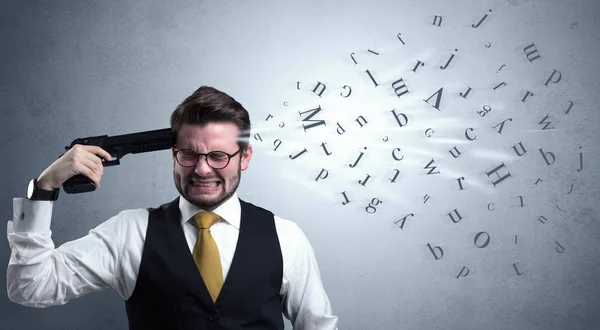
(80, 68)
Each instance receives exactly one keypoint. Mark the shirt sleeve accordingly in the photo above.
(305, 302)
(40, 275)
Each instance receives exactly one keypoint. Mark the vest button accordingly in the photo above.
(213, 317)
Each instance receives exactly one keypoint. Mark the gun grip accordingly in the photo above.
(78, 184)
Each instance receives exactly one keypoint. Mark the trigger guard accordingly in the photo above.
(116, 161)
(111, 162)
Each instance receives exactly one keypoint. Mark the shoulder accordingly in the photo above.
(135, 218)
(140, 213)
(139, 216)
(125, 222)
(290, 235)
(296, 248)
(287, 229)
(135, 213)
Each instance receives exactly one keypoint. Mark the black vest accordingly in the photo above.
(170, 293)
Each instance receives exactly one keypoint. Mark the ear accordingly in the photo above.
(246, 155)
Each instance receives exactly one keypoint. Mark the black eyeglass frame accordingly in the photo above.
(176, 150)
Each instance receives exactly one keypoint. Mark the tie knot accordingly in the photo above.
(206, 219)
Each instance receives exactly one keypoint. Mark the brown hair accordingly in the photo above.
(209, 105)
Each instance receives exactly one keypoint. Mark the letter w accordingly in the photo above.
(431, 169)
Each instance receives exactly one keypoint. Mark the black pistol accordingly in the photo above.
(118, 146)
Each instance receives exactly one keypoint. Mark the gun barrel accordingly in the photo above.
(134, 142)
(159, 136)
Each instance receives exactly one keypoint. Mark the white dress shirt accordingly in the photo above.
(109, 256)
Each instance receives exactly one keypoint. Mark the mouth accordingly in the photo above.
(205, 185)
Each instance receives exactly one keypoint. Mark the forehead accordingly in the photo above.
(211, 136)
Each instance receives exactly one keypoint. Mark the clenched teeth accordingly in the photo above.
(204, 184)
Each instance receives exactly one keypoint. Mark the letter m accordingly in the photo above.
(314, 123)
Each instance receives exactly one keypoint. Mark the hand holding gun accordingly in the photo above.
(117, 146)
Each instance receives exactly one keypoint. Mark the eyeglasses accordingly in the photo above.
(214, 159)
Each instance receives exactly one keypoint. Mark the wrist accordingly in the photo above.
(38, 192)
(44, 185)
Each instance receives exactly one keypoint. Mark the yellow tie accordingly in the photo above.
(206, 254)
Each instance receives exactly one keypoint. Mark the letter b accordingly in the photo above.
(544, 153)
(433, 251)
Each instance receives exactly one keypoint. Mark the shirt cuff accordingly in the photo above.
(31, 216)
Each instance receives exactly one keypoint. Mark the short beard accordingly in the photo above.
(211, 205)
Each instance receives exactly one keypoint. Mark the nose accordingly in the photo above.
(202, 167)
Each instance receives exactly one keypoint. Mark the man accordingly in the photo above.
(206, 260)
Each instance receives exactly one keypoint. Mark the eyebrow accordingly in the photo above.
(220, 150)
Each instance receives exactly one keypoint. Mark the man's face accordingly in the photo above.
(204, 139)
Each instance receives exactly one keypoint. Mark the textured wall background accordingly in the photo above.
(79, 68)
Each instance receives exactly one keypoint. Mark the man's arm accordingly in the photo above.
(305, 302)
(40, 275)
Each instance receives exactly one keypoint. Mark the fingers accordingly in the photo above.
(87, 161)
(94, 150)
(101, 153)
(90, 166)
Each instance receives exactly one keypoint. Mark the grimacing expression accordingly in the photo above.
(202, 185)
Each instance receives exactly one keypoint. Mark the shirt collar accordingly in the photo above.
(230, 210)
